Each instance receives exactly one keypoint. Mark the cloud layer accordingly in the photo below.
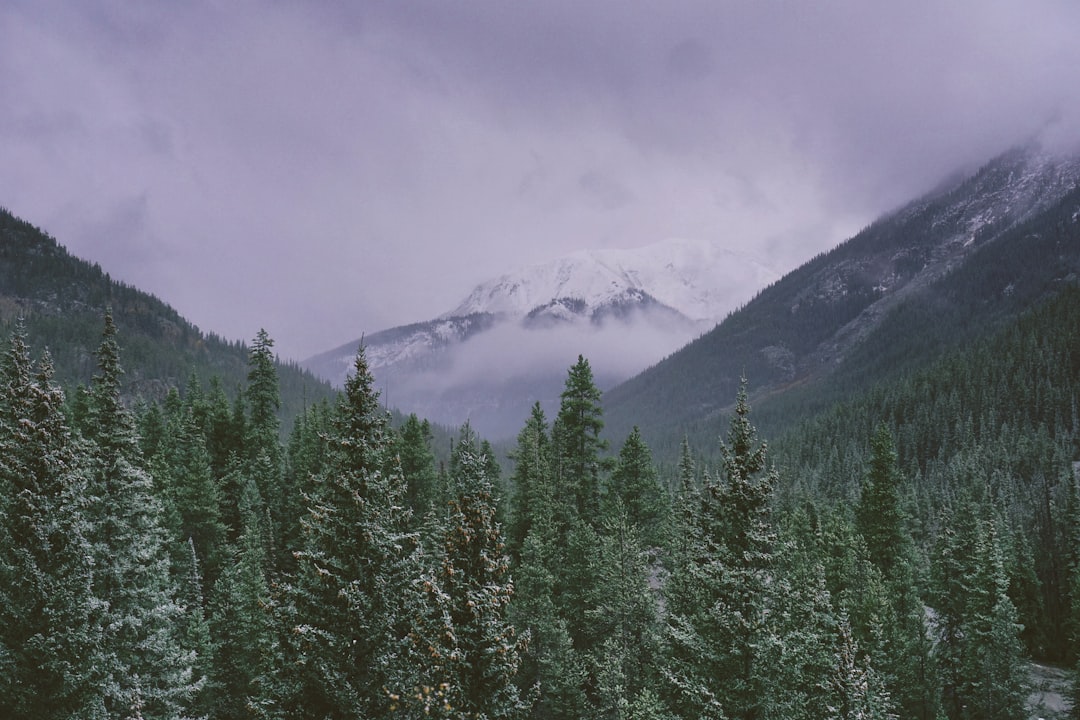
(324, 170)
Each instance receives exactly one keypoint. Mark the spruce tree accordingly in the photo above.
(49, 644)
(344, 613)
(240, 620)
(635, 486)
(879, 517)
(475, 577)
(719, 594)
(531, 481)
(143, 663)
(624, 614)
(263, 443)
(413, 446)
(577, 442)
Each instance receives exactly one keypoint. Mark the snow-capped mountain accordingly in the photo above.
(509, 342)
(693, 278)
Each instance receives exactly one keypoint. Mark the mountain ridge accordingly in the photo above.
(816, 321)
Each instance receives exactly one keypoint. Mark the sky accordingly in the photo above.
(328, 169)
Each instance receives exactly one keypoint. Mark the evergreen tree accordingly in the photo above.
(192, 496)
(264, 447)
(241, 622)
(475, 577)
(194, 634)
(531, 481)
(624, 614)
(856, 692)
(48, 643)
(143, 663)
(719, 596)
(878, 515)
(552, 673)
(345, 614)
(635, 486)
(577, 441)
(994, 681)
(418, 464)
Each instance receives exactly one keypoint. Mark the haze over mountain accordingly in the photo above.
(509, 342)
(943, 270)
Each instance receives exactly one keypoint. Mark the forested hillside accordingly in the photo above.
(62, 299)
(944, 271)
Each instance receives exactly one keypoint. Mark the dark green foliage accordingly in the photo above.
(623, 614)
(344, 612)
(720, 592)
(577, 443)
(240, 620)
(531, 482)
(879, 516)
(413, 445)
(63, 298)
(485, 655)
(48, 642)
(142, 661)
(635, 487)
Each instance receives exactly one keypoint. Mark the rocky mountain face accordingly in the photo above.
(509, 343)
(911, 284)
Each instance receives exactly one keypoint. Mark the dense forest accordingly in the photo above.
(902, 554)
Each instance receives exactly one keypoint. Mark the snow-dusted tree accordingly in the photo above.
(577, 442)
(854, 691)
(531, 481)
(143, 662)
(345, 609)
(475, 576)
(48, 643)
(624, 614)
(719, 593)
(994, 682)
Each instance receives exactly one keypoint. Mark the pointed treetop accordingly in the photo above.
(741, 459)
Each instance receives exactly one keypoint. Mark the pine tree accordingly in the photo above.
(265, 456)
(624, 614)
(143, 662)
(531, 481)
(475, 577)
(577, 442)
(413, 445)
(719, 595)
(49, 644)
(344, 615)
(635, 486)
(879, 517)
(194, 634)
(994, 681)
(552, 673)
(856, 693)
(240, 620)
(192, 497)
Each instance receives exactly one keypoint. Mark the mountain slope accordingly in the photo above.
(509, 342)
(940, 271)
(63, 300)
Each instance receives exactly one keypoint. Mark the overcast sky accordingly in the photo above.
(324, 169)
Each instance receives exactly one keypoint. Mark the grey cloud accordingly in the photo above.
(352, 166)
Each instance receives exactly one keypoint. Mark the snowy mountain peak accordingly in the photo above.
(696, 279)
